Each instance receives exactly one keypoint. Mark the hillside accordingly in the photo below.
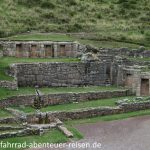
(114, 20)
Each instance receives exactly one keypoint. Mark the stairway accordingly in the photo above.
(107, 82)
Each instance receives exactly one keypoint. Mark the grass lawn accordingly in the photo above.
(41, 37)
(139, 59)
(53, 136)
(4, 93)
(74, 106)
(79, 89)
(4, 114)
(108, 44)
(6, 61)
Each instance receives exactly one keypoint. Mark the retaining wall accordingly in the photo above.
(61, 74)
(55, 99)
(40, 49)
(91, 112)
(9, 84)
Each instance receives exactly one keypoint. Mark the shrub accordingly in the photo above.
(47, 4)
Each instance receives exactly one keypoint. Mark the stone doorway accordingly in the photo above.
(49, 51)
(33, 51)
(144, 87)
(62, 50)
(18, 50)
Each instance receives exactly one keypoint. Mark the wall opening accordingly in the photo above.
(49, 51)
(1, 47)
(33, 52)
(144, 87)
(19, 50)
(129, 80)
(108, 74)
(62, 50)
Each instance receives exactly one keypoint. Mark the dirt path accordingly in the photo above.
(128, 134)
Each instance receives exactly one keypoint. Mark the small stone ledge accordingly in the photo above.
(65, 131)
(3, 128)
(12, 85)
(8, 120)
(19, 133)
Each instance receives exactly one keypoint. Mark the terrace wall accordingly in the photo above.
(9, 84)
(64, 98)
(90, 112)
(41, 49)
(61, 74)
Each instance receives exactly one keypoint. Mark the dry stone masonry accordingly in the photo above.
(43, 49)
(61, 74)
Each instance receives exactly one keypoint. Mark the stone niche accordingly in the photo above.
(44, 49)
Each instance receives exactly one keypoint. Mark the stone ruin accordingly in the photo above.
(40, 49)
(98, 66)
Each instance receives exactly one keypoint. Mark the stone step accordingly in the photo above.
(65, 131)
(42, 126)
(4, 128)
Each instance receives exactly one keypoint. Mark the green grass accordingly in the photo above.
(108, 43)
(112, 21)
(4, 93)
(79, 89)
(4, 113)
(53, 136)
(74, 106)
(41, 37)
(140, 59)
(110, 117)
(6, 61)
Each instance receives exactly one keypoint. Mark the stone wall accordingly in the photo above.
(55, 99)
(9, 84)
(40, 49)
(141, 52)
(135, 106)
(91, 112)
(78, 114)
(61, 74)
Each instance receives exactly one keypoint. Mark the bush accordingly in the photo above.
(47, 4)
(2, 33)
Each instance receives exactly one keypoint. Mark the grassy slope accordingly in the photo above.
(114, 21)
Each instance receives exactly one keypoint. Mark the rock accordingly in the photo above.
(142, 48)
(139, 98)
(89, 57)
(90, 48)
(65, 131)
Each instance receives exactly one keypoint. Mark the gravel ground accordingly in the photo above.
(128, 134)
